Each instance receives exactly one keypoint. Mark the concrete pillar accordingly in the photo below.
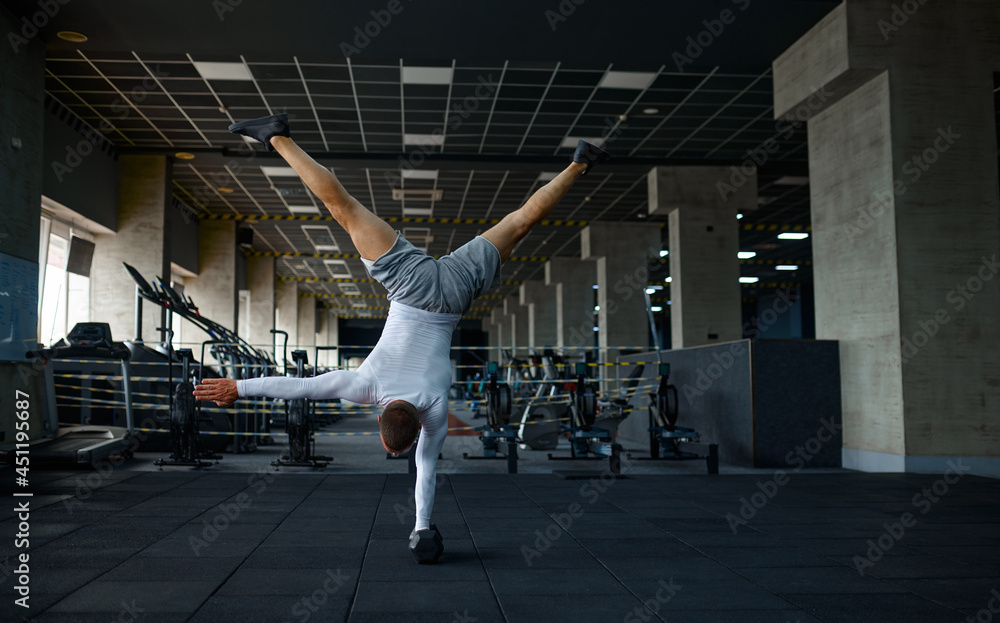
(906, 224)
(307, 324)
(515, 319)
(622, 251)
(141, 241)
(261, 283)
(331, 337)
(538, 302)
(574, 282)
(497, 333)
(701, 204)
(215, 290)
(286, 316)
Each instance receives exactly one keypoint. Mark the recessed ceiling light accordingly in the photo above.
(664, 252)
(225, 189)
(627, 80)
(739, 216)
(655, 308)
(587, 198)
(71, 36)
(789, 235)
(184, 155)
(419, 174)
(278, 171)
(571, 141)
(650, 111)
(303, 209)
(792, 180)
(668, 280)
(749, 279)
(786, 267)
(423, 139)
(427, 75)
(223, 71)
(746, 255)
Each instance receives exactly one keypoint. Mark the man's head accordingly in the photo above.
(398, 426)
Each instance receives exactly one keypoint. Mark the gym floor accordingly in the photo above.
(239, 542)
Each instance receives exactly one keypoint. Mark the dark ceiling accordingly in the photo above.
(520, 78)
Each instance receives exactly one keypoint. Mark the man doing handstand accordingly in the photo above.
(409, 370)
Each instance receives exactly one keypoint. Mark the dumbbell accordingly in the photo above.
(426, 546)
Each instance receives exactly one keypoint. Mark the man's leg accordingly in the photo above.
(371, 236)
(516, 225)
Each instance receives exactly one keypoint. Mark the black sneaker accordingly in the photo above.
(590, 155)
(263, 129)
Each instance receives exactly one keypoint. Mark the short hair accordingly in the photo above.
(398, 425)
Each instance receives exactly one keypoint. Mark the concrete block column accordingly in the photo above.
(307, 324)
(497, 333)
(215, 290)
(906, 224)
(287, 315)
(574, 282)
(516, 320)
(622, 251)
(539, 302)
(142, 241)
(701, 205)
(261, 283)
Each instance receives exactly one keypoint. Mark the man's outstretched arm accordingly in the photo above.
(337, 384)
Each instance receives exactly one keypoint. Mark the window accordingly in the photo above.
(64, 297)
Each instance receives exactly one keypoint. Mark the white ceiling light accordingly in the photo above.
(664, 253)
(749, 279)
(786, 267)
(419, 174)
(650, 290)
(349, 289)
(638, 80)
(322, 238)
(338, 268)
(668, 280)
(223, 71)
(303, 209)
(423, 139)
(279, 171)
(571, 141)
(790, 235)
(427, 75)
(650, 111)
(656, 308)
(739, 216)
(746, 255)
(792, 180)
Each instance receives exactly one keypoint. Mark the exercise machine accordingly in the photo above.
(588, 441)
(89, 444)
(185, 416)
(540, 422)
(667, 440)
(299, 424)
(498, 429)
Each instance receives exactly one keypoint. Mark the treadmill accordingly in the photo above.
(85, 445)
